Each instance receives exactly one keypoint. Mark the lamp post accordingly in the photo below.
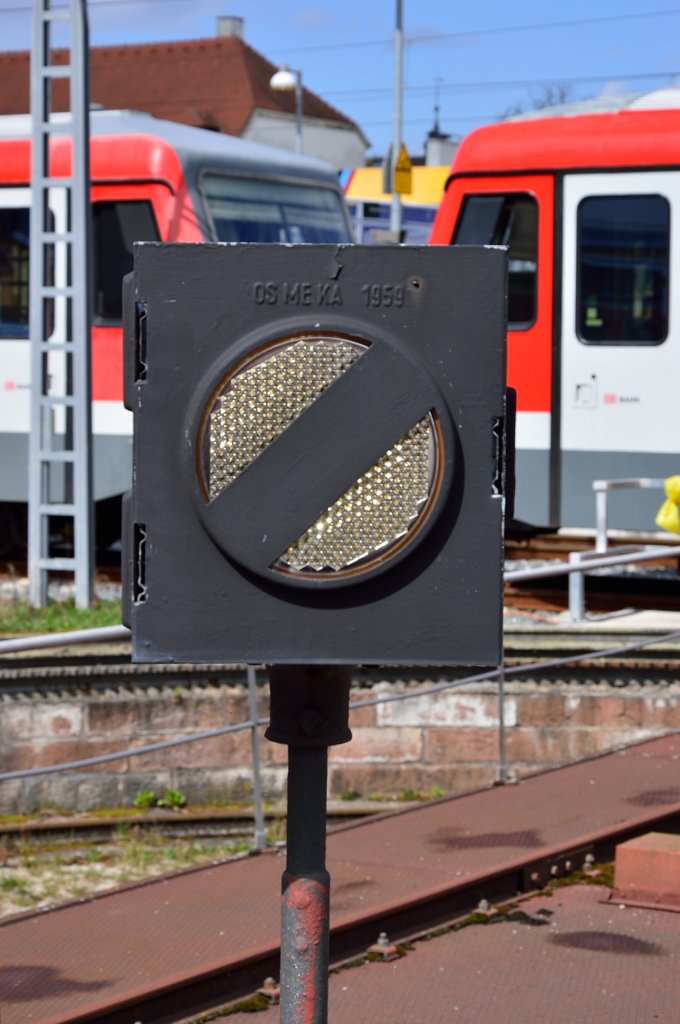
(285, 80)
(397, 121)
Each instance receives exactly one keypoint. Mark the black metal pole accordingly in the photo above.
(309, 712)
(305, 901)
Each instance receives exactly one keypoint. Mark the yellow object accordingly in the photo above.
(403, 177)
(668, 516)
(366, 185)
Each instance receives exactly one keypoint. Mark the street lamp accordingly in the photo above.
(285, 80)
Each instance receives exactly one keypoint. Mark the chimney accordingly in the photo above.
(230, 25)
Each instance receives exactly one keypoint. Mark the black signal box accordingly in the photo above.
(318, 454)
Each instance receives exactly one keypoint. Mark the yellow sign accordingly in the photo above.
(403, 172)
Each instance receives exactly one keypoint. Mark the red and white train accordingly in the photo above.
(151, 180)
(587, 198)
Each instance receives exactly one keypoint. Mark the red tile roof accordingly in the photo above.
(215, 83)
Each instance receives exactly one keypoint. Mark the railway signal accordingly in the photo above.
(318, 454)
(318, 482)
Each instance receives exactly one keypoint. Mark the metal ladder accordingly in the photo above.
(60, 457)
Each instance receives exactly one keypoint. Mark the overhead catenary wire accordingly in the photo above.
(423, 37)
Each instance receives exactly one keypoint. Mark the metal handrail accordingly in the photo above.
(602, 489)
(648, 555)
(98, 634)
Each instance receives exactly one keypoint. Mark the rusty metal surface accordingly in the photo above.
(566, 958)
(65, 966)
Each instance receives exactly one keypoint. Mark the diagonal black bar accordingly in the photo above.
(319, 456)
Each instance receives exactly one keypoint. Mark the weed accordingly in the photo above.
(254, 1004)
(601, 874)
(436, 792)
(349, 794)
(145, 799)
(277, 830)
(174, 799)
(10, 883)
(410, 794)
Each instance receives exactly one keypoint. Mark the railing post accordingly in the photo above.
(260, 830)
(502, 746)
(601, 514)
(577, 590)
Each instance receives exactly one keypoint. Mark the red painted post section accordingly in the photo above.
(304, 951)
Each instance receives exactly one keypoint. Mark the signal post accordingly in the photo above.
(319, 467)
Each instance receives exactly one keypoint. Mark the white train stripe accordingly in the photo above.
(533, 430)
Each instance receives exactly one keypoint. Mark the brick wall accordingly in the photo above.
(445, 742)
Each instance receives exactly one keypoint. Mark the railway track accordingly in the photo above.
(73, 831)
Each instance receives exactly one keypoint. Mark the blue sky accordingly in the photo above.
(484, 59)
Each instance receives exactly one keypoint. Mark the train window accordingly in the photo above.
(510, 220)
(116, 226)
(252, 210)
(623, 269)
(14, 235)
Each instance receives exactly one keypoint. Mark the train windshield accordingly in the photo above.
(510, 220)
(257, 210)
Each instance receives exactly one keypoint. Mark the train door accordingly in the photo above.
(620, 340)
(15, 356)
(122, 214)
(518, 211)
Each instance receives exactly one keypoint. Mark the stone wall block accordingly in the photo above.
(449, 746)
(225, 750)
(121, 717)
(40, 755)
(466, 710)
(43, 720)
(380, 744)
(381, 781)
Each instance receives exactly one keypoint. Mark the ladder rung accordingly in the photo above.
(56, 14)
(57, 456)
(56, 236)
(57, 128)
(54, 509)
(56, 346)
(56, 563)
(56, 182)
(57, 71)
(54, 401)
(55, 291)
